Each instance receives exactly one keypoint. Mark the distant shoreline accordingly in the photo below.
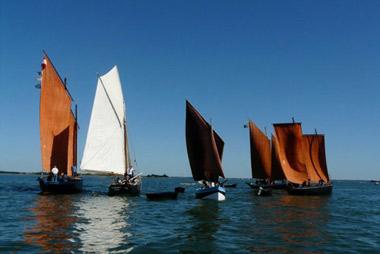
(3, 172)
(82, 173)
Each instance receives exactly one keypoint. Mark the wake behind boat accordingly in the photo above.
(58, 134)
(106, 148)
(303, 160)
(205, 150)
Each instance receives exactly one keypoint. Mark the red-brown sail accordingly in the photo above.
(57, 122)
(277, 173)
(315, 157)
(260, 153)
(204, 147)
(290, 151)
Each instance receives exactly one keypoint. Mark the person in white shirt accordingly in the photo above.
(55, 173)
(131, 173)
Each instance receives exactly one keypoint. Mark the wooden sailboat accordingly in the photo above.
(205, 150)
(264, 161)
(58, 134)
(106, 148)
(303, 160)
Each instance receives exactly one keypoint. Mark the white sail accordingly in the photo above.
(105, 149)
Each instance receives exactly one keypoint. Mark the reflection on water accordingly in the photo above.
(103, 226)
(288, 224)
(54, 217)
(301, 221)
(205, 224)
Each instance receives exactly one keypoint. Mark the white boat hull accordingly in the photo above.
(217, 193)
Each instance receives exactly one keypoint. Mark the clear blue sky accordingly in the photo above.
(318, 61)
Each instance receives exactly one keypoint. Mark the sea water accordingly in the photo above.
(348, 221)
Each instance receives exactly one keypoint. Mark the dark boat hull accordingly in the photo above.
(233, 185)
(275, 186)
(179, 189)
(310, 190)
(124, 189)
(70, 185)
(214, 193)
(162, 195)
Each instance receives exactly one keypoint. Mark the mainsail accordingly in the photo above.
(290, 151)
(277, 173)
(260, 153)
(302, 157)
(58, 127)
(106, 148)
(204, 147)
(315, 157)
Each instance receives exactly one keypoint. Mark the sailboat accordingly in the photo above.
(58, 134)
(303, 160)
(205, 150)
(106, 149)
(264, 161)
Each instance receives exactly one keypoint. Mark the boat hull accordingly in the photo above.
(212, 193)
(233, 185)
(316, 190)
(68, 186)
(162, 195)
(275, 186)
(124, 189)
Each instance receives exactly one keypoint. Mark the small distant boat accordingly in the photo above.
(231, 185)
(58, 134)
(265, 165)
(303, 160)
(205, 150)
(106, 148)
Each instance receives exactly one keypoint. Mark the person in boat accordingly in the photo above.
(55, 170)
(50, 176)
(131, 172)
(74, 170)
(60, 177)
(129, 176)
(205, 183)
(321, 182)
(308, 182)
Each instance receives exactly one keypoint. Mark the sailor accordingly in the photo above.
(55, 173)
(131, 172)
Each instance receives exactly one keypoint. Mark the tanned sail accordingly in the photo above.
(106, 148)
(290, 151)
(58, 125)
(315, 157)
(204, 147)
(276, 173)
(260, 153)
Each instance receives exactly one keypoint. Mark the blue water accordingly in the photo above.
(348, 221)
